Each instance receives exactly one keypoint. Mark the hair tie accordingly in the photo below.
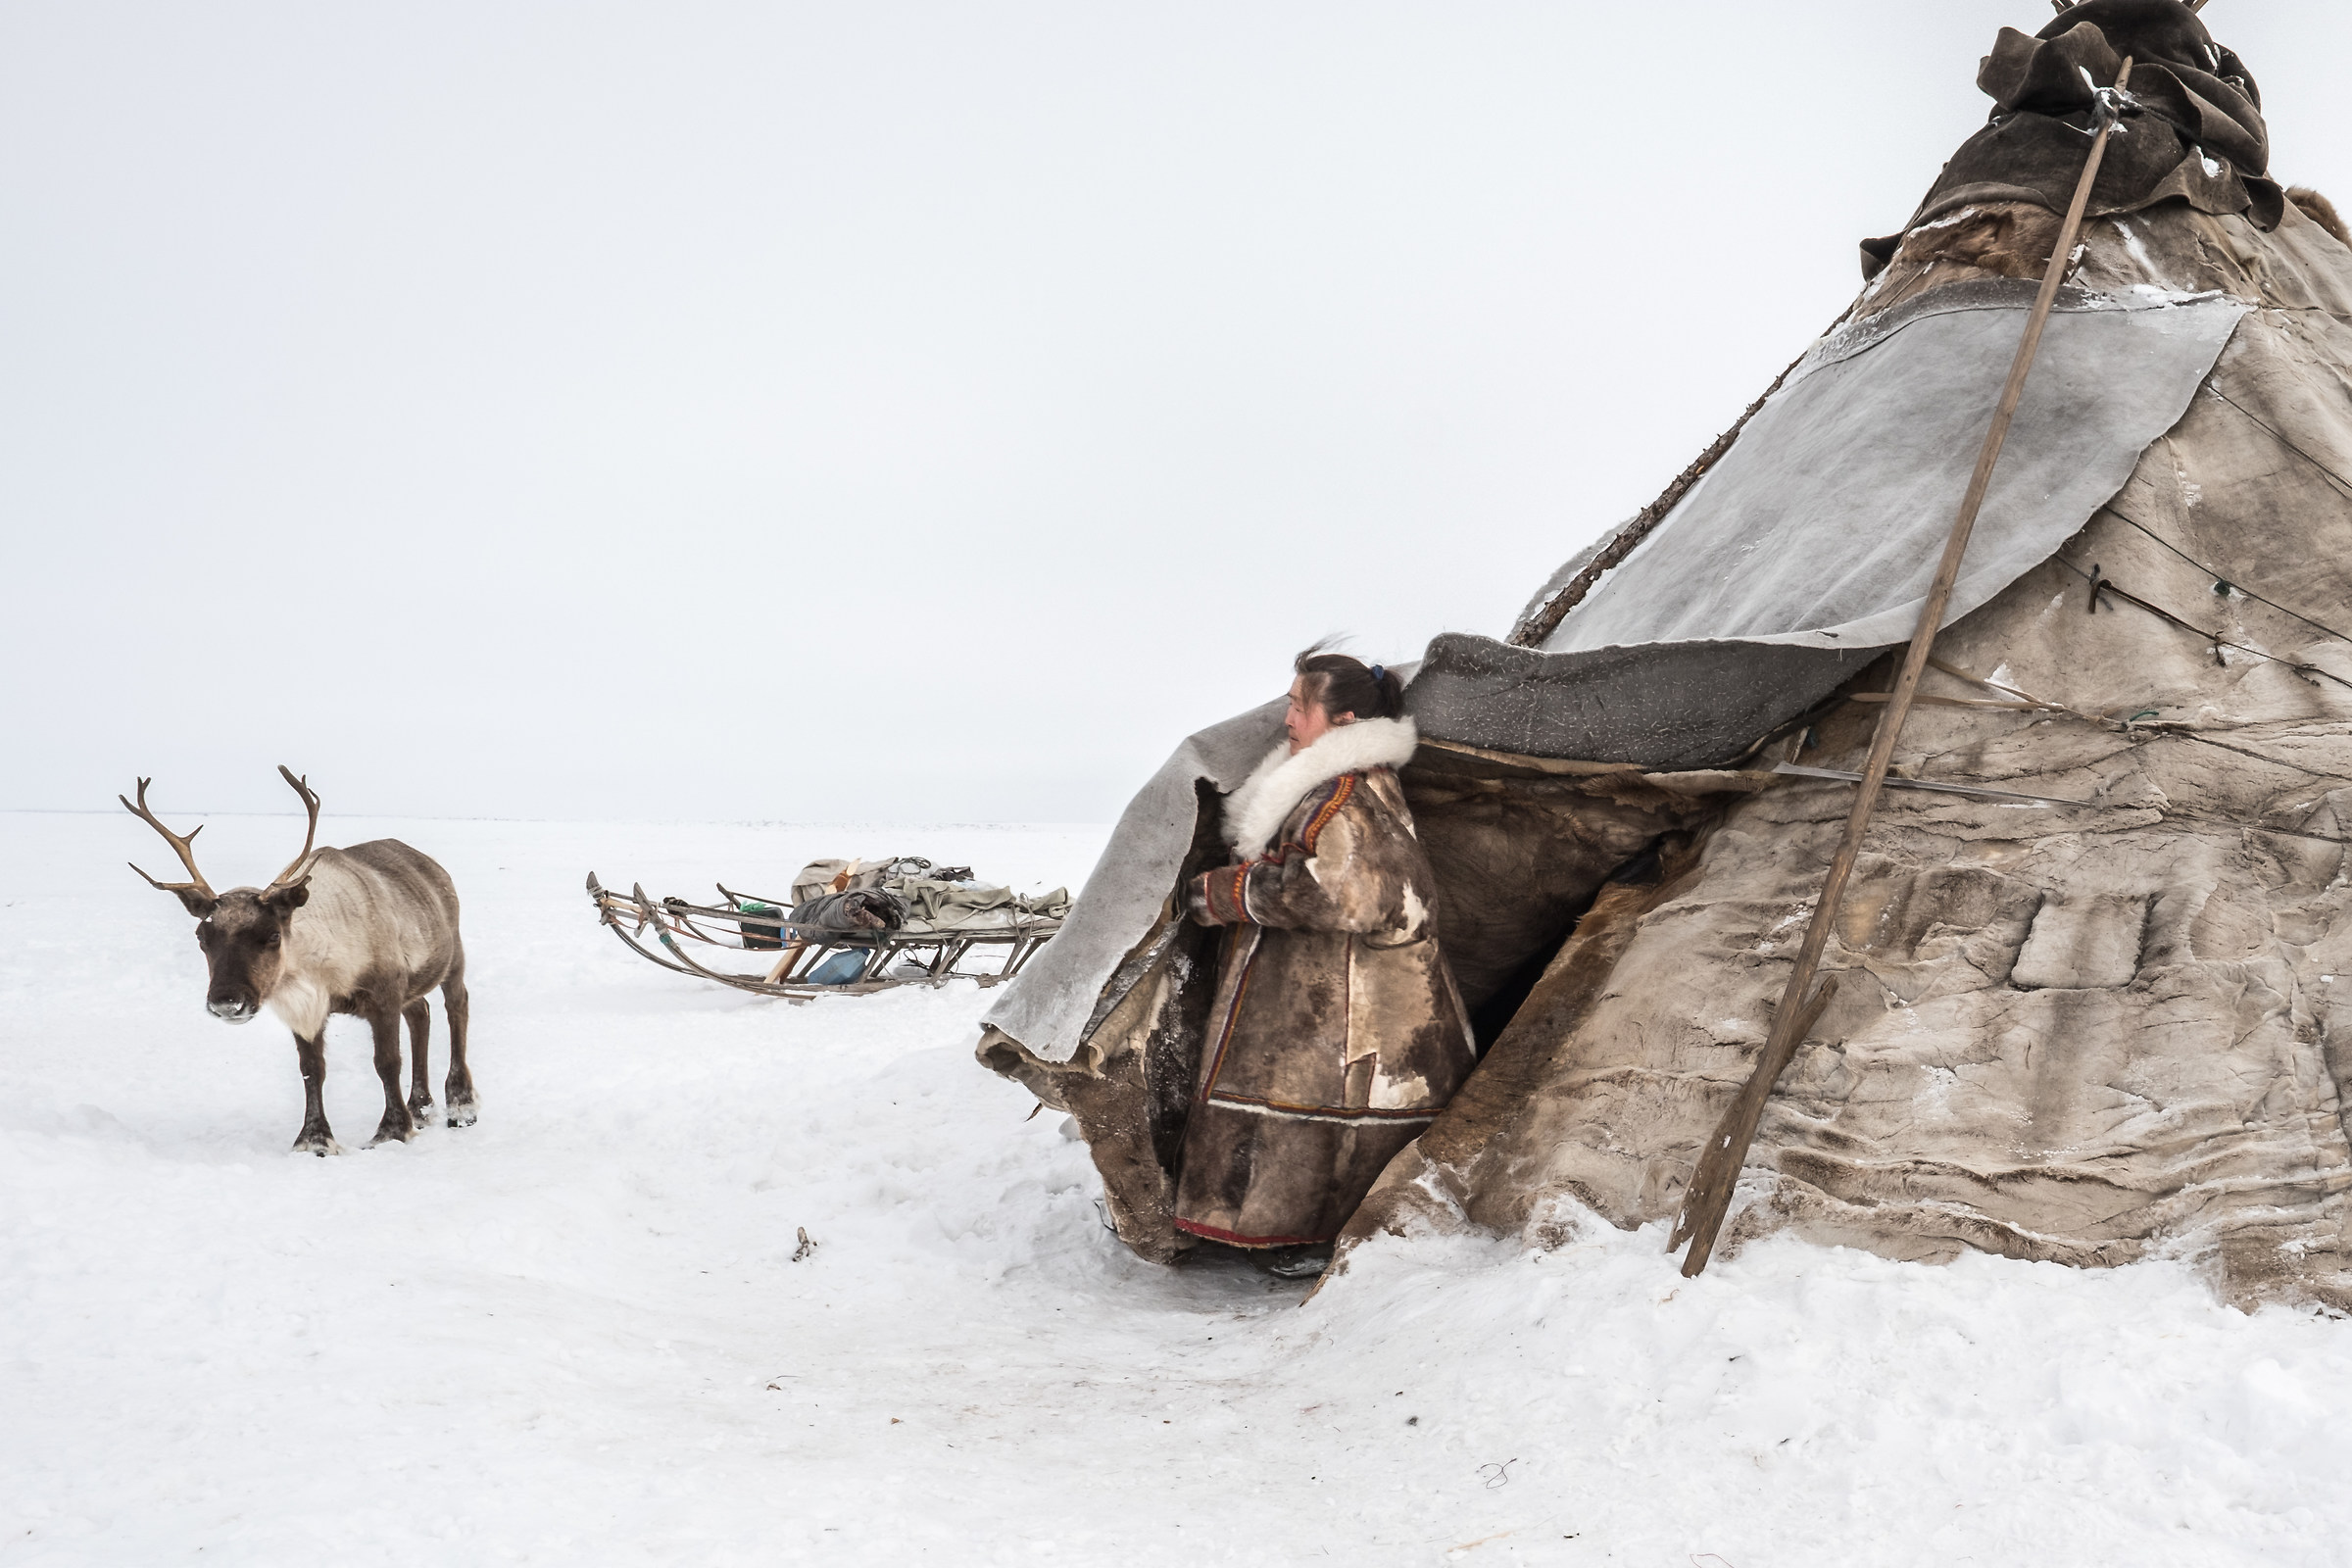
(1378, 674)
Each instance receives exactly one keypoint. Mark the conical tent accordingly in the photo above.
(2090, 1017)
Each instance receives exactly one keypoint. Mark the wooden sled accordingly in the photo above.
(933, 957)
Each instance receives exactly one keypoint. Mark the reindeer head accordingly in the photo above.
(243, 931)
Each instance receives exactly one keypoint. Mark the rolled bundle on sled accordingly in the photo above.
(851, 927)
(2085, 971)
(859, 910)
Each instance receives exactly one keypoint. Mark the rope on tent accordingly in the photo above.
(2281, 436)
(2222, 581)
(1937, 786)
(2126, 727)
(2026, 701)
(2258, 756)
(1708, 1199)
(2102, 584)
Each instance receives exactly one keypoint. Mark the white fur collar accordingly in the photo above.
(1254, 813)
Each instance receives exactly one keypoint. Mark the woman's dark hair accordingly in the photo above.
(1343, 684)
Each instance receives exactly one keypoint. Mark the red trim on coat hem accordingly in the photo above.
(1210, 1232)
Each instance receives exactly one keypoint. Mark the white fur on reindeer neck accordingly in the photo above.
(1254, 813)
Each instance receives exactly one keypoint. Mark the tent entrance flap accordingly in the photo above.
(1518, 853)
(1518, 847)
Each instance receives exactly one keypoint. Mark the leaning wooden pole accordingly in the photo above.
(1711, 1185)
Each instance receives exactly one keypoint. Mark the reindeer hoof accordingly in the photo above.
(389, 1134)
(316, 1141)
(460, 1115)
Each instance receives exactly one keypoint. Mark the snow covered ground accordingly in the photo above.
(575, 1334)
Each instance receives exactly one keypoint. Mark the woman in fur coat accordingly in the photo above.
(1336, 1034)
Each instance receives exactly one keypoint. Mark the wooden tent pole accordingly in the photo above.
(1709, 1197)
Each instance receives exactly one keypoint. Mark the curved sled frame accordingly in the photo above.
(802, 948)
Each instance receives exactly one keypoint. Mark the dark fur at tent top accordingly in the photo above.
(2202, 140)
(2085, 1034)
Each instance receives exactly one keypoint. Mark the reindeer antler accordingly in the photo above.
(180, 846)
(310, 835)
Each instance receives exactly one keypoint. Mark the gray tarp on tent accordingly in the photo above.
(1777, 578)
(1811, 544)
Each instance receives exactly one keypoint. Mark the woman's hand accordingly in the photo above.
(1200, 902)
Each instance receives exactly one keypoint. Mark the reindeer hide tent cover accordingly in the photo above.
(2088, 1034)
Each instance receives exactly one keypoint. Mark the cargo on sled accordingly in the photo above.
(850, 927)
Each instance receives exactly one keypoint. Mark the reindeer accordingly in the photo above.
(366, 931)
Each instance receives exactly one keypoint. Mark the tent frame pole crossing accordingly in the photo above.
(1709, 1198)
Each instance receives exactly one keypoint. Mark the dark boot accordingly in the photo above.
(1303, 1262)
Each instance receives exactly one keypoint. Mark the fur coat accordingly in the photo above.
(1336, 1032)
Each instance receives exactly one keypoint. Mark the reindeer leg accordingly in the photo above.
(316, 1138)
(458, 1090)
(397, 1126)
(420, 1032)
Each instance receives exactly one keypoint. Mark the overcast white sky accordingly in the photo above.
(879, 411)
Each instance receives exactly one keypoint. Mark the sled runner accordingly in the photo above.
(942, 938)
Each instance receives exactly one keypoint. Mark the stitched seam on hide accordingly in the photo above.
(1241, 988)
(1348, 1021)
